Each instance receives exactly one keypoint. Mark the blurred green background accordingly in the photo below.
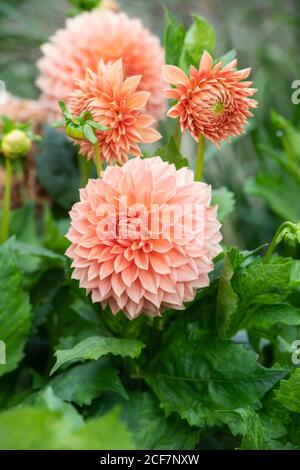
(266, 35)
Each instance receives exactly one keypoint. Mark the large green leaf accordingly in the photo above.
(199, 37)
(288, 393)
(15, 309)
(82, 383)
(173, 39)
(94, 347)
(171, 154)
(196, 374)
(151, 429)
(51, 424)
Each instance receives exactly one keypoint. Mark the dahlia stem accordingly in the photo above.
(177, 135)
(200, 158)
(98, 159)
(6, 202)
(84, 170)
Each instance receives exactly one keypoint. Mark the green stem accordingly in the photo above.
(84, 170)
(177, 135)
(276, 240)
(200, 158)
(6, 202)
(98, 159)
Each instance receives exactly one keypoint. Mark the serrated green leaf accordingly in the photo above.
(288, 393)
(152, 430)
(225, 200)
(94, 347)
(173, 39)
(199, 38)
(170, 153)
(196, 375)
(15, 309)
(82, 383)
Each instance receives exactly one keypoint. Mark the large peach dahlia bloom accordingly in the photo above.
(95, 35)
(213, 101)
(115, 103)
(143, 237)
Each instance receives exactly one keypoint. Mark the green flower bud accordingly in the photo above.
(74, 131)
(15, 144)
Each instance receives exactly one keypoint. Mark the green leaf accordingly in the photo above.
(82, 383)
(259, 284)
(290, 136)
(65, 111)
(15, 309)
(170, 153)
(58, 123)
(173, 39)
(199, 38)
(94, 347)
(57, 167)
(269, 315)
(247, 423)
(225, 200)
(97, 125)
(288, 393)
(89, 134)
(54, 232)
(152, 430)
(271, 187)
(227, 299)
(51, 258)
(262, 283)
(197, 375)
(50, 424)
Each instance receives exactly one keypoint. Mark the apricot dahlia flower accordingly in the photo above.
(143, 237)
(95, 35)
(213, 101)
(115, 103)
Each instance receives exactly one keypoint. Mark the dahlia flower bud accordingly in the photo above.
(100, 34)
(143, 237)
(214, 101)
(15, 144)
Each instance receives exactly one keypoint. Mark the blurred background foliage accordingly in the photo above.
(265, 35)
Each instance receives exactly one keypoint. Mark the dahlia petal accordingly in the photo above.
(173, 74)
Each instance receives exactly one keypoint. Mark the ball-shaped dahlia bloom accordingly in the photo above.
(143, 237)
(95, 35)
(214, 101)
(114, 102)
